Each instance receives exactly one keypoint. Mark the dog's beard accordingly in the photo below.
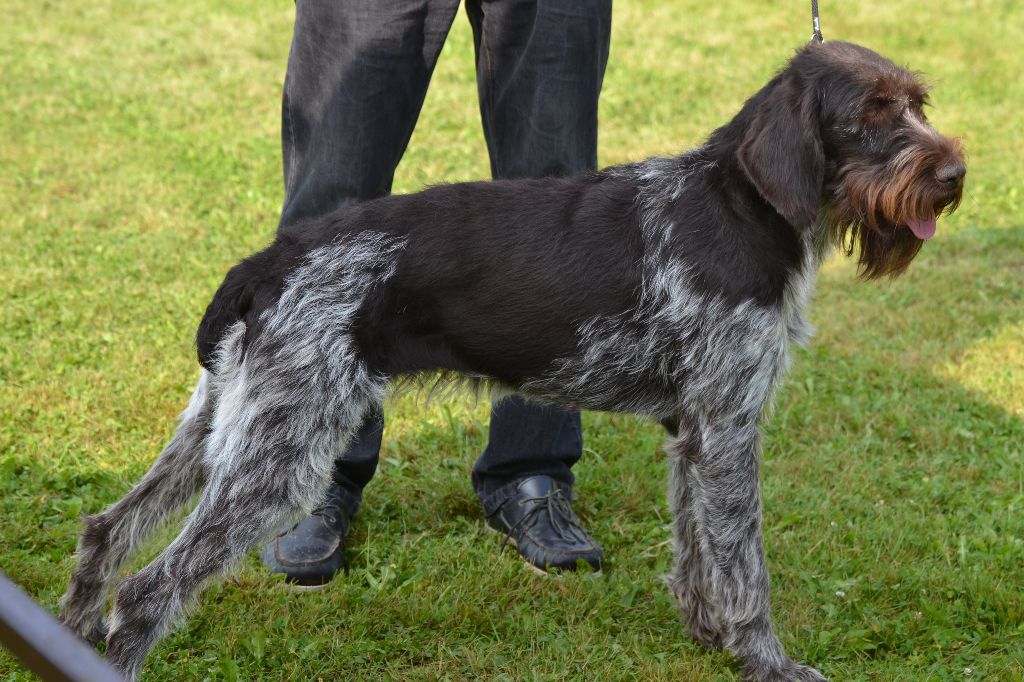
(886, 236)
(881, 250)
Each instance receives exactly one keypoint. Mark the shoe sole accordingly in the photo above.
(555, 575)
(291, 586)
(298, 587)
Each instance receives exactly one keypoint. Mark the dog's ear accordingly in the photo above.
(782, 154)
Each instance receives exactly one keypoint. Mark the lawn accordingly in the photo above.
(140, 158)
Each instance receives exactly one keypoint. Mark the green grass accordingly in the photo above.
(140, 159)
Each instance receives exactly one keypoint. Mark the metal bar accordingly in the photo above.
(45, 646)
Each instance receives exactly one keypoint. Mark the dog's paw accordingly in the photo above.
(790, 672)
(91, 631)
(702, 629)
(97, 634)
(701, 624)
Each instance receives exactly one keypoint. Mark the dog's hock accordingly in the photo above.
(781, 152)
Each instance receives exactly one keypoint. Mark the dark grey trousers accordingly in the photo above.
(357, 75)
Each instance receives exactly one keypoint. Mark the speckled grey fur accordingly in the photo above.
(276, 414)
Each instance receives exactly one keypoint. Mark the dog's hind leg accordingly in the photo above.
(720, 470)
(276, 433)
(110, 537)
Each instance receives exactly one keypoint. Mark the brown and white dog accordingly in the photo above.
(671, 288)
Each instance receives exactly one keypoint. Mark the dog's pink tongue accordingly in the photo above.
(922, 229)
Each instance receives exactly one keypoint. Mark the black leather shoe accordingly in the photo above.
(313, 550)
(538, 517)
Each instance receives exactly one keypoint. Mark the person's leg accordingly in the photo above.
(358, 72)
(527, 439)
(357, 75)
(539, 71)
(540, 66)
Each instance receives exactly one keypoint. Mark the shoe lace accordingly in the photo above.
(330, 511)
(560, 516)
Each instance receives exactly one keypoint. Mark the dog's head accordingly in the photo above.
(839, 139)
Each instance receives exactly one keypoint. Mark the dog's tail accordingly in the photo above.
(231, 303)
(247, 288)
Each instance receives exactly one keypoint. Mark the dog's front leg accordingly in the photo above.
(690, 580)
(720, 576)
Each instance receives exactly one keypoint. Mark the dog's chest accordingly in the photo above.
(795, 304)
(682, 347)
(799, 291)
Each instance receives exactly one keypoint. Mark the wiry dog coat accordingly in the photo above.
(671, 288)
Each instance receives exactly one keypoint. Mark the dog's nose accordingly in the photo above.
(951, 173)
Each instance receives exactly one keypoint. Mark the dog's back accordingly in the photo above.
(472, 259)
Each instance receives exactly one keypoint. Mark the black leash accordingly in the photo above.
(816, 37)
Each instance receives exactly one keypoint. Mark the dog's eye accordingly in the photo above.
(879, 107)
(917, 107)
(878, 110)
